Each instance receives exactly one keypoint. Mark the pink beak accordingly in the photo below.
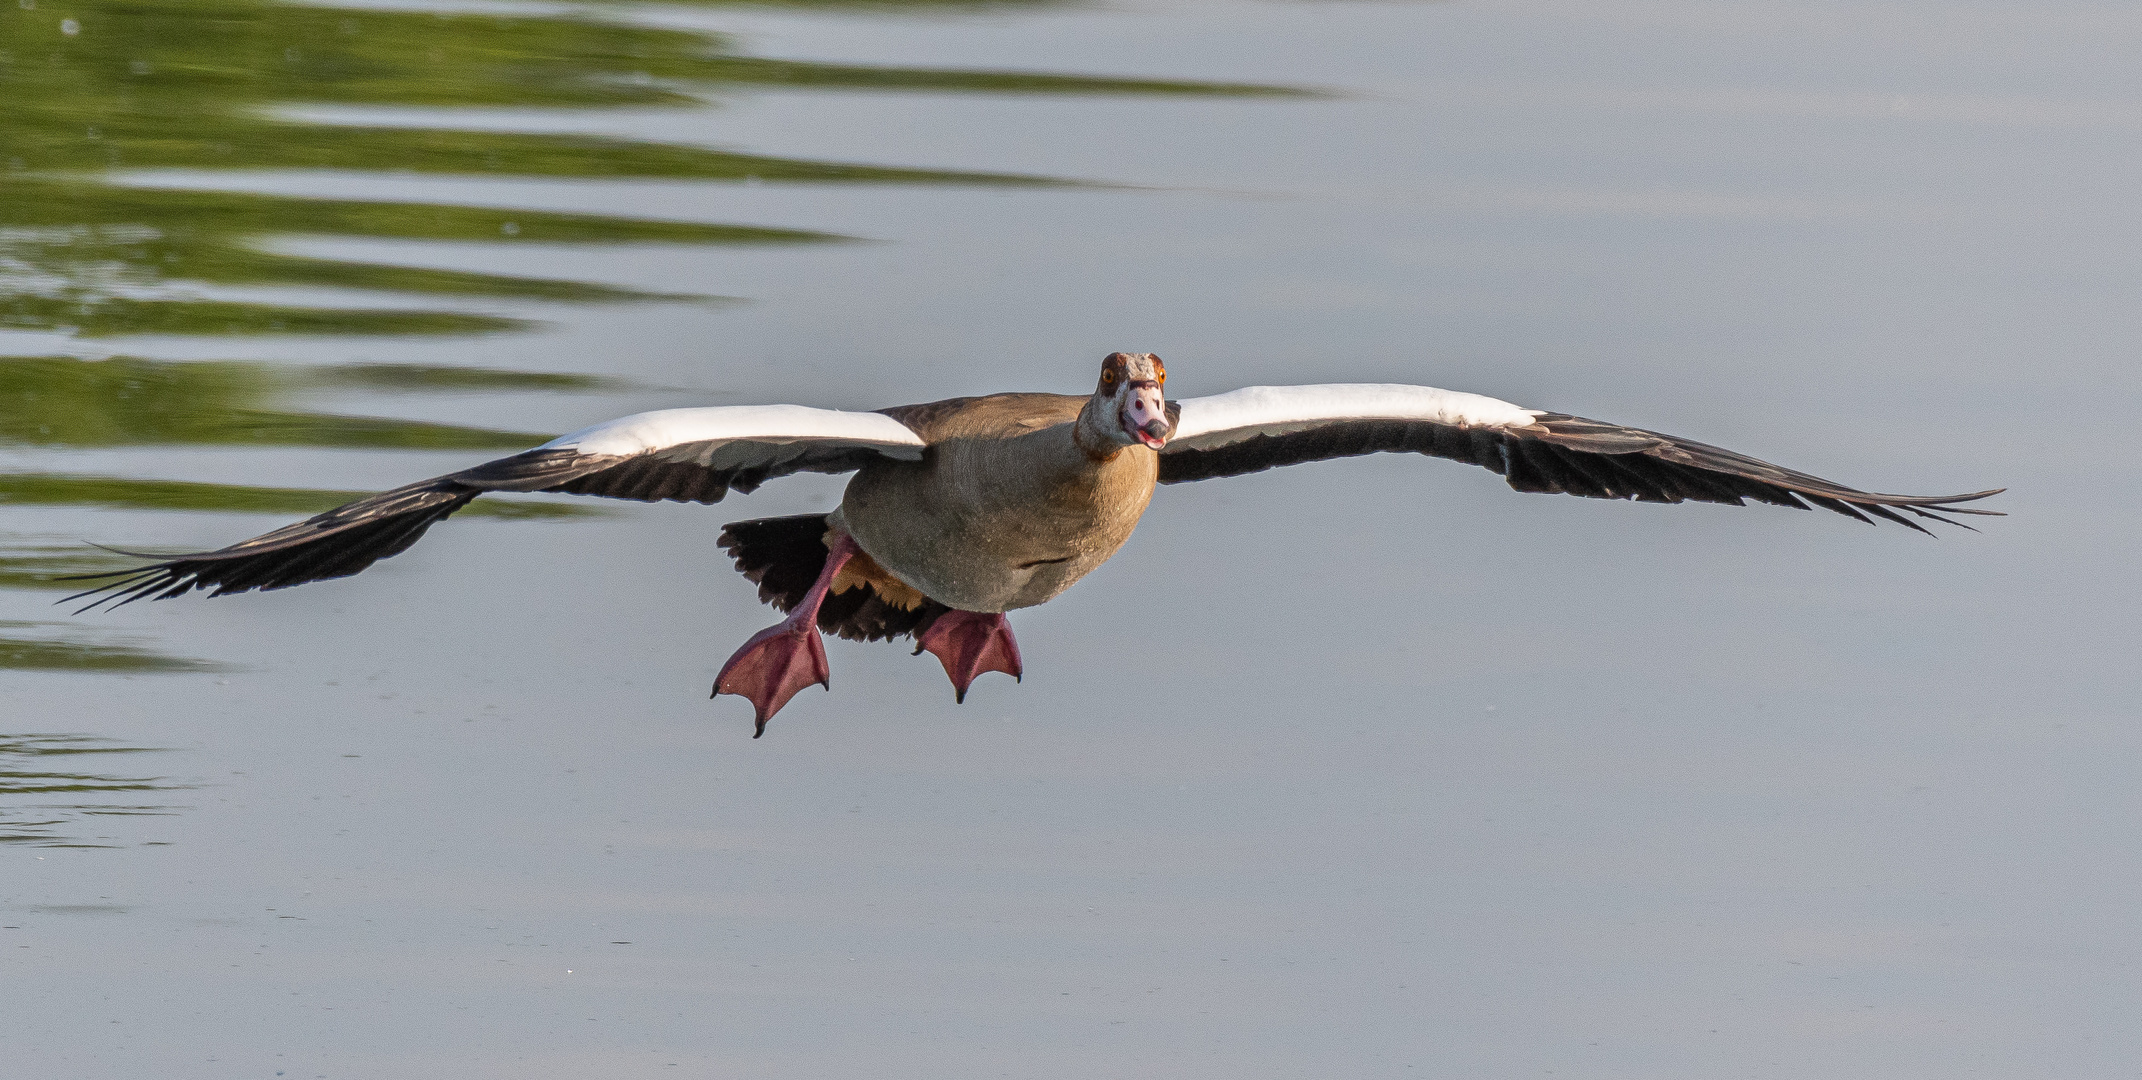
(1145, 414)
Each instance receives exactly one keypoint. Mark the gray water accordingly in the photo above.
(1367, 768)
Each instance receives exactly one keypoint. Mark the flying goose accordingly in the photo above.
(962, 510)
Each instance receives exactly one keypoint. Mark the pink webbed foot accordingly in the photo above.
(775, 665)
(970, 643)
(784, 658)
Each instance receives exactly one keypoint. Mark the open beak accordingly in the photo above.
(1145, 415)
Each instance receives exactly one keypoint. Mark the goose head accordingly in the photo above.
(1128, 407)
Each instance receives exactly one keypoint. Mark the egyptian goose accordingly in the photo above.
(965, 509)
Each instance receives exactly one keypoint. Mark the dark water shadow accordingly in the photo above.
(50, 797)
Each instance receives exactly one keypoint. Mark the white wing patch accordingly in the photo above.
(705, 430)
(1210, 422)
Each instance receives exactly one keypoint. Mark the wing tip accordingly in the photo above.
(1933, 506)
(1929, 507)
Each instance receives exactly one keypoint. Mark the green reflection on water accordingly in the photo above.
(36, 767)
(94, 85)
(35, 565)
(65, 402)
(157, 83)
(108, 315)
(90, 86)
(120, 493)
(76, 654)
(61, 401)
(97, 260)
(29, 564)
(428, 377)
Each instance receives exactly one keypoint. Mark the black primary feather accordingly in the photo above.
(351, 537)
(1559, 453)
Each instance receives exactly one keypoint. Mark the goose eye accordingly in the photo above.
(1108, 377)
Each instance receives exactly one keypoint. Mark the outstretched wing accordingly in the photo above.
(682, 455)
(1261, 427)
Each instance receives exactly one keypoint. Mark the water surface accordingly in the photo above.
(1415, 776)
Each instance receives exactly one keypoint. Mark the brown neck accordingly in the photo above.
(1090, 433)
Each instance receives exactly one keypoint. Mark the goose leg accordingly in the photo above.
(970, 643)
(782, 659)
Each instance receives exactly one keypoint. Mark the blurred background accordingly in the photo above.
(1420, 777)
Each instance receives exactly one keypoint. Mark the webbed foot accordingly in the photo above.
(784, 658)
(774, 666)
(970, 643)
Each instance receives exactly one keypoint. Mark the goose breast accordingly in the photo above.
(1004, 510)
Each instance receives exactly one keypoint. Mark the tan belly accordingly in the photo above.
(977, 527)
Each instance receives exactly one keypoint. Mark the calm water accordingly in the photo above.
(1418, 776)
